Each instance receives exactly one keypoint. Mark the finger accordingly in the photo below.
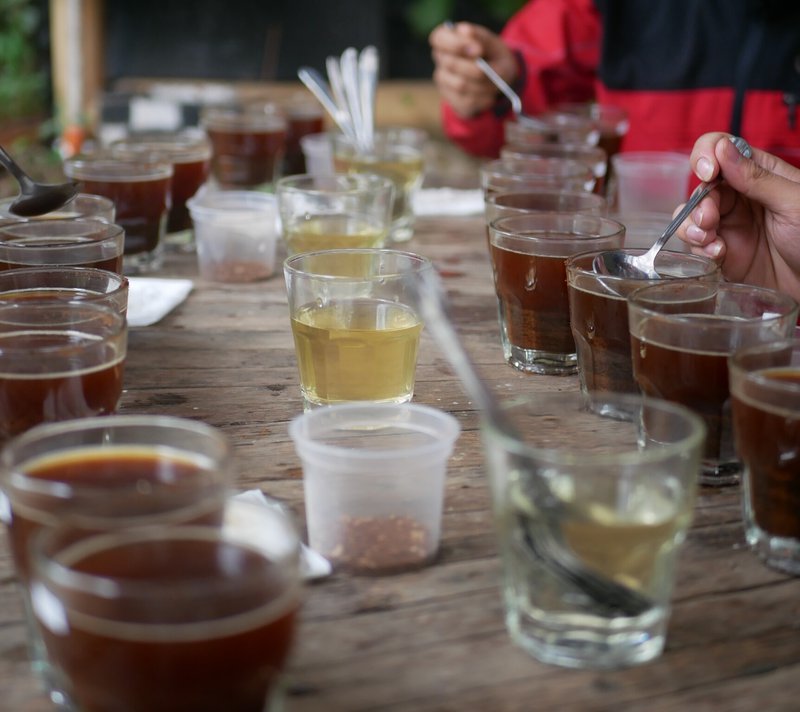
(457, 39)
(459, 66)
(754, 179)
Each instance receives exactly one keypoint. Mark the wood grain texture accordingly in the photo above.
(434, 639)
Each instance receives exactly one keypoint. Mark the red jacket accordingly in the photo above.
(680, 68)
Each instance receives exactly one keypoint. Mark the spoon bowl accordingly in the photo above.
(36, 198)
(619, 263)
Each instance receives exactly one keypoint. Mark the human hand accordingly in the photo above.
(750, 223)
(459, 80)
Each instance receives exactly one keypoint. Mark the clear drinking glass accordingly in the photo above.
(599, 314)
(59, 360)
(590, 512)
(355, 325)
(198, 617)
(682, 333)
(48, 284)
(765, 396)
(335, 211)
(140, 191)
(82, 242)
(533, 174)
(528, 253)
(394, 157)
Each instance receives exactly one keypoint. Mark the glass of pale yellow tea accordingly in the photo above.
(355, 324)
(334, 211)
(395, 157)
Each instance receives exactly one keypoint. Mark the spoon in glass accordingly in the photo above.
(36, 198)
(618, 263)
(543, 537)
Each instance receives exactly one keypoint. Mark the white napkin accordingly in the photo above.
(448, 201)
(312, 564)
(150, 299)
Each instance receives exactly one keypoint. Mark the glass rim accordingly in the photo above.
(776, 299)
(417, 263)
(116, 170)
(120, 281)
(570, 456)
(752, 375)
(242, 118)
(10, 463)
(305, 184)
(288, 560)
(177, 154)
(442, 441)
(96, 230)
(579, 195)
(572, 168)
(572, 260)
(502, 225)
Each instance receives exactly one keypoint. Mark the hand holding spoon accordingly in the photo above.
(618, 263)
(36, 198)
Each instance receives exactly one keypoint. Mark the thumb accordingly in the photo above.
(753, 180)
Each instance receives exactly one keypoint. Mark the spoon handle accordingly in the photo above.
(697, 195)
(13, 168)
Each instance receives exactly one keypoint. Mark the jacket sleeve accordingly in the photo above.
(558, 44)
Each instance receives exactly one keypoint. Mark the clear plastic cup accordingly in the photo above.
(374, 477)
(650, 181)
(236, 233)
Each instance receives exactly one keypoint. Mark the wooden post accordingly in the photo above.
(76, 28)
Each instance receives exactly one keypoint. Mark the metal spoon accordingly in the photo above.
(618, 263)
(510, 94)
(542, 536)
(36, 198)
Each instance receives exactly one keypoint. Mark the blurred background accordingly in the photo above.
(73, 69)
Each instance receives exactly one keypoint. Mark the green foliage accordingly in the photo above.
(23, 82)
(424, 15)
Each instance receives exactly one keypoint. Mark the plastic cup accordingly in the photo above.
(355, 323)
(650, 181)
(590, 513)
(82, 242)
(236, 234)
(682, 333)
(334, 211)
(373, 477)
(318, 153)
(48, 284)
(528, 253)
(765, 397)
(140, 191)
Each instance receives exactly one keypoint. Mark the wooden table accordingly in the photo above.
(434, 639)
